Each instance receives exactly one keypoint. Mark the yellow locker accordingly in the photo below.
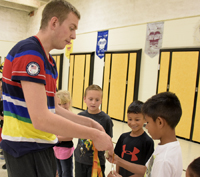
(80, 77)
(105, 88)
(164, 69)
(131, 81)
(118, 85)
(179, 73)
(71, 73)
(59, 63)
(183, 83)
(196, 132)
(77, 90)
(120, 82)
(87, 76)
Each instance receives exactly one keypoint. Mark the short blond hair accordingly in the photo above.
(64, 96)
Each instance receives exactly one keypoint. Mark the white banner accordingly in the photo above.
(154, 38)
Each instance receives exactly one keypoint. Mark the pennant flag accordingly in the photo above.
(154, 38)
(102, 41)
(69, 49)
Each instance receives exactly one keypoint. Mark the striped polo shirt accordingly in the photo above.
(26, 61)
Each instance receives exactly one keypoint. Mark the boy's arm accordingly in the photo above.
(134, 168)
(44, 120)
(79, 119)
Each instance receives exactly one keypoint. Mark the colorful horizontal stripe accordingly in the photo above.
(19, 136)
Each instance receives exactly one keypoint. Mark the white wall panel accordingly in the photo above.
(181, 32)
(126, 21)
(104, 14)
(13, 24)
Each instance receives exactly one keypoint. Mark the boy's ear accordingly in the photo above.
(54, 22)
(160, 122)
(145, 121)
(84, 98)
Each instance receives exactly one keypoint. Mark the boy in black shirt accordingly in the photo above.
(135, 146)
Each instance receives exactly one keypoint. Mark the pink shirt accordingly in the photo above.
(63, 153)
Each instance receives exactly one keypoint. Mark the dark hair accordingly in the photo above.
(135, 107)
(59, 9)
(165, 105)
(194, 167)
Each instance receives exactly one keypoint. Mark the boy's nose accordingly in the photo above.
(132, 123)
(73, 35)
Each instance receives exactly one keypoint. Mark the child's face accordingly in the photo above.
(136, 122)
(152, 127)
(65, 106)
(93, 100)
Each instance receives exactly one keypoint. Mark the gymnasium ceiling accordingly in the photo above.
(23, 5)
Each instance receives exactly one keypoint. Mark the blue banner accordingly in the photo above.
(102, 43)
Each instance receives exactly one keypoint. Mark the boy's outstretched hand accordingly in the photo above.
(112, 158)
(113, 174)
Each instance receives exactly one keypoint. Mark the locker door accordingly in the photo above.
(106, 83)
(196, 132)
(79, 66)
(120, 82)
(59, 63)
(71, 74)
(131, 81)
(118, 86)
(163, 72)
(86, 77)
(183, 83)
(80, 77)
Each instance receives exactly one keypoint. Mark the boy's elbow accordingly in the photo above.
(39, 119)
(37, 124)
(144, 168)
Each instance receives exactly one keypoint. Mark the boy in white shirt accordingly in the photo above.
(162, 113)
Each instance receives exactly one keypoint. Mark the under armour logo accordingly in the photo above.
(135, 151)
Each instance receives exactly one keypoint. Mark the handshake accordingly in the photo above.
(112, 158)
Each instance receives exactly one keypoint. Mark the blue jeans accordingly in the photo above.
(65, 167)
